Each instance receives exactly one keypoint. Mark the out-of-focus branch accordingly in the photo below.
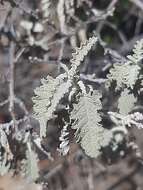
(138, 3)
(15, 122)
(26, 10)
(112, 4)
(125, 178)
(123, 49)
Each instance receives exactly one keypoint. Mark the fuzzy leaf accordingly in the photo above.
(48, 96)
(126, 102)
(87, 124)
(126, 74)
(80, 54)
(32, 171)
(137, 55)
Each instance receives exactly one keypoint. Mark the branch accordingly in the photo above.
(11, 81)
(138, 3)
(124, 178)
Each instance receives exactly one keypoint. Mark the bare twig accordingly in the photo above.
(123, 49)
(4, 103)
(11, 123)
(92, 79)
(20, 52)
(11, 81)
(61, 54)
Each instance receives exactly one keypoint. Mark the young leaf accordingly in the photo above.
(89, 131)
(126, 102)
(126, 74)
(32, 171)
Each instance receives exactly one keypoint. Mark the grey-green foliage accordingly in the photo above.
(52, 90)
(126, 102)
(85, 113)
(31, 165)
(89, 131)
(126, 74)
(47, 98)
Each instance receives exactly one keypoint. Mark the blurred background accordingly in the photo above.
(36, 36)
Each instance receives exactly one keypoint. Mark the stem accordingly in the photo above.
(11, 81)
